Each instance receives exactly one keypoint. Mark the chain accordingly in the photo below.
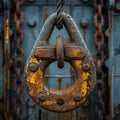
(60, 4)
(18, 59)
(99, 58)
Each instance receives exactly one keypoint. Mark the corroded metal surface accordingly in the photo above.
(18, 57)
(99, 57)
(76, 53)
(107, 24)
(7, 65)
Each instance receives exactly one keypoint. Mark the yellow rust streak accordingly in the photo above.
(34, 60)
(35, 79)
(33, 76)
(84, 88)
(31, 92)
(75, 52)
(70, 103)
(78, 63)
(85, 75)
(7, 36)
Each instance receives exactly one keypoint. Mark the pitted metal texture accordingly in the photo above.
(75, 53)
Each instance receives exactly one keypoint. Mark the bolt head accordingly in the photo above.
(42, 96)
(32, 22)
(60, 101)
(77, 97)
(81, 55)
(86, 66)
(33, 67)
(84, 23)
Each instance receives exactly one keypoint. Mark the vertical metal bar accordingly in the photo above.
(6, 61)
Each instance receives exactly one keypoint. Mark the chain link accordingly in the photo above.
(60, 4)
(99, 58)
(18, 59)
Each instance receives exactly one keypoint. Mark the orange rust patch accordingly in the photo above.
(7, 37)
(84, 88)
(75, 52)
(85, 76)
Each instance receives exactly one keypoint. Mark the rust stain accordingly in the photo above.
(85, 75)
(85, 88)
(75, 52)
(72, 97)
(36, 84)
(7, 37)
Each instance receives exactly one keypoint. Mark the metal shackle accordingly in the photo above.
(44, 54)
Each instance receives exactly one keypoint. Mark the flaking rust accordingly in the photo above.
(44, 54)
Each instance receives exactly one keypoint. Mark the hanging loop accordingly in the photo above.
(75, 53)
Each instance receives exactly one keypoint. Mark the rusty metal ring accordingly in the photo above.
(96, 38)
(99, 63)
(19, 17)
(96, 20)
(100, 54)
(60, 100)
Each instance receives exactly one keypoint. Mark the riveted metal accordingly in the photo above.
(42, 96)
(86, 66)
(84, 23)
(77, 97)
(60, 101)
(33, 67)
(32, 22)
(75, 53)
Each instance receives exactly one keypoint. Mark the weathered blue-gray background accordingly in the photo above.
(37, 12)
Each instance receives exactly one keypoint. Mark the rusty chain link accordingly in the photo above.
(99, 58)
(18, 59)
(60, 4)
